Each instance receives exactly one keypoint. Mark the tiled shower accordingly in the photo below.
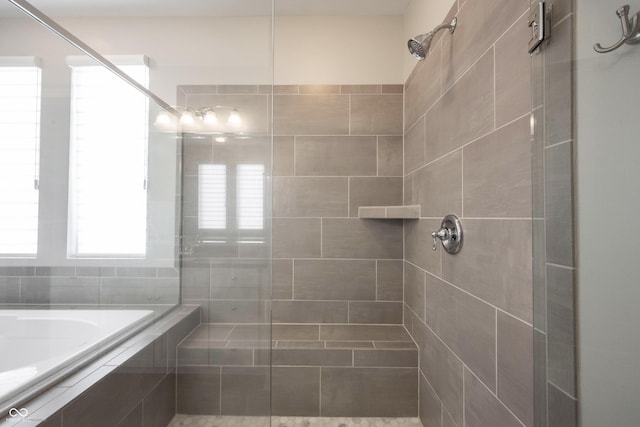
(316, 313)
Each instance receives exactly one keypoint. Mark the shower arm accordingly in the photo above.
(451, 26)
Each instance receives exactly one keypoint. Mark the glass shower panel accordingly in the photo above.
(89, 192)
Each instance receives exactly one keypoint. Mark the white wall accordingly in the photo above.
(420, 17)
(608, 202)
(338, 50)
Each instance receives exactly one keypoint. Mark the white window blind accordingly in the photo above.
(212, 197)
(250, 194)
(20, 100)
(108, 162)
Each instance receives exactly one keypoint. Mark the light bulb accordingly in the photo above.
(210, 118)
(187, 119)
(221, 139)
(163, 120)
(234, 118)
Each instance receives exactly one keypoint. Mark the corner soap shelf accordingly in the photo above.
(389, 212)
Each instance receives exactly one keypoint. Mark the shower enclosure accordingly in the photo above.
(585, 282)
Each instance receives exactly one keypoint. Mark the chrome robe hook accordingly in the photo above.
(630, 31)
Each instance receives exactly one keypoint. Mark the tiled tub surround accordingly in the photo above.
(467, 151)
(131, 385)
(317, 370)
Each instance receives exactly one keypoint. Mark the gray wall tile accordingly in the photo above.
(430, 407)
(282, 279)
(311, 115)
(375, 312)
(283, 160)
(389, 280)
(311, 357)
(318, 89)
(363, 333)
(336, 156)
(497, 173)
(245, 391)
(58, 290)
(515, 366)
(438, 186)
(502, 276)
(562, 409)
(310, 312)
(376, 114)
(295, 332)
(418, 249)
(558, 84)
(373, 192)
(310, 197)
(414, 146)
(355, 238)
(442, 369)
(334, 280)
(390, 392)
(424, 86)
(295, 391)
(466, 324)
(415, 289)
(482, 408)
(390, 156)
(296, 237)
(386, 358)
(9, 290)
(470, 98)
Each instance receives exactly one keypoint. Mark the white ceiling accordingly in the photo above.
(212, 7)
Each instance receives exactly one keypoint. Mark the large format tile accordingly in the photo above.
(58, 290)
(466, 324)
(363, 333)
(558, 84)
(9, 290)
(442, 369)
(414, 146)
(296, 237)
(245, 391)
(497, 173)
(513, 73)
(311, 115)
(481, 408)
(376, 114)
(438, 186)
(336, 156)
(282, 278)
(562, 409)
(310, 197)
(515, 366)
(310, 311)
(430, 407)
(311, 357)
(423, 87)
(464, 113)
(375, 191)
(334, 280)
(160, 405)
(481, 23)
(418, 249)
(375, 312)
(415, 289)
(390, 155)
(295, 391)
(389, 280)
(364, 239)
(495, 264)
(390, 392)
(283, 160)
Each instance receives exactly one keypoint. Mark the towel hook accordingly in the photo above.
(630, 31)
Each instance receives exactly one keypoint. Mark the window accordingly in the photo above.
(215, 191)
(212, 197)
(108, 161)
(20, 99)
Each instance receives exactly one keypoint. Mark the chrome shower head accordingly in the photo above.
(419, 45)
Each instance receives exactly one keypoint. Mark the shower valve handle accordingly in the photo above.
(442, 234)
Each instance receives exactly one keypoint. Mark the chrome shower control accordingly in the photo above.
(450, 234)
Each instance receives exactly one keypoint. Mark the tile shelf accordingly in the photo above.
(389, 212)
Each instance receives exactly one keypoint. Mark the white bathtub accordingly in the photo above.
(36, 345)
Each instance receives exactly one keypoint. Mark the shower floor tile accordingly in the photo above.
(230, 421)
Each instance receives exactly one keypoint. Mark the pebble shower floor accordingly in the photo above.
(228, 421)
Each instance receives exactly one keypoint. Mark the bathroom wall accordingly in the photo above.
(467, 151)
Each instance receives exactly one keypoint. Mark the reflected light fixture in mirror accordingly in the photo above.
(218, 119)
